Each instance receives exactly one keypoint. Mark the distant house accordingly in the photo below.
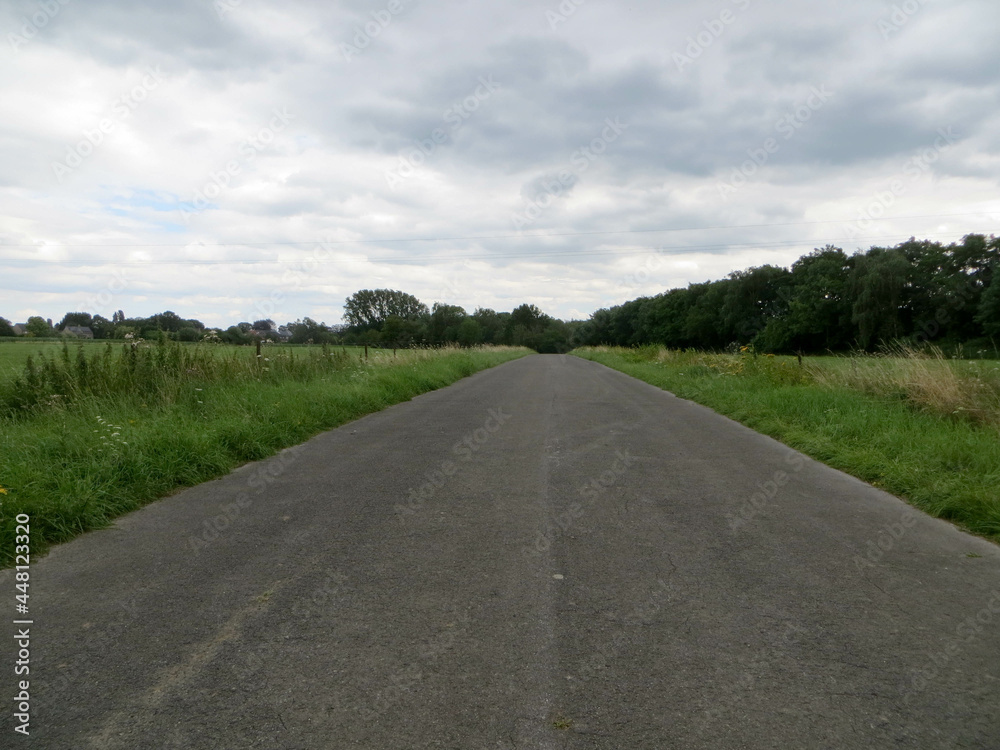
(81, 332)
(20, 329)
(282, 334)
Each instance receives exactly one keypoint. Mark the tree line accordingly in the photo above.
(919, 290)
(391, 318)
(378, 317)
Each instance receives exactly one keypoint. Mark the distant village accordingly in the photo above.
(78, 325)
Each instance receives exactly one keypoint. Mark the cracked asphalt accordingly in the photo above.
(548, 554)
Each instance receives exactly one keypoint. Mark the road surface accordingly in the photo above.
(548, 554)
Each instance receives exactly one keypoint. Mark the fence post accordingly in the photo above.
(258, 347)
(366, 352)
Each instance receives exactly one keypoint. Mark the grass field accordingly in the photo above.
(92, 434)
(923, 428)
(15, 352)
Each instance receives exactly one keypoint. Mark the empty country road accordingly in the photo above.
(547, 554)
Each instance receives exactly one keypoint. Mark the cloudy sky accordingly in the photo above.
(240, 159)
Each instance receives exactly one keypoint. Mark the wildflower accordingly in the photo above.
(3, 491)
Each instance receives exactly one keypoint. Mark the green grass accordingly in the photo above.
(947, 464)
(15, 352)
(126, 433)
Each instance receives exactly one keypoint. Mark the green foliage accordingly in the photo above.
(159, 373)
(6, 328)
(140, 423)
(39, 327)
(370, 308)
(988, 314)
(827, 301)
(76, 319)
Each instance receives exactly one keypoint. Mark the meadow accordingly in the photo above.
(93, 430)
(918, 425)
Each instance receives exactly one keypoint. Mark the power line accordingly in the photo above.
(520, 235)
(572, 254)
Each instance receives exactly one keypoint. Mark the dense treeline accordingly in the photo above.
(828, 300)
(388, 317)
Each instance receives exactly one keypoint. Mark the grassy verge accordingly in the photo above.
(86, 438)
(875, 419)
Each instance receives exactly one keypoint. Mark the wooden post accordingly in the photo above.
(258, 347)
(799, 355)
(366, 352)
(393, 352)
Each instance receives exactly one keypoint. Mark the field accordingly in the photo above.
(921, 427)
(92, 432)
(15, 352)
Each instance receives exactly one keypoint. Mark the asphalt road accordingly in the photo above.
(548, 554)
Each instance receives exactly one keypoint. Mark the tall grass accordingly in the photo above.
(923, 378)
(160, 372)
(85, 439)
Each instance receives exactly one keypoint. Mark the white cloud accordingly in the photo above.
(322, 174)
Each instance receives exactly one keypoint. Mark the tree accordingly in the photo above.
(400, 332)
(442, 327)
(263, 325)
(102, 327)
(306, 330)
(6, 328)
(988, 314)
(39, 327)
(369, 308)
(75, 319)
(877, 286)
(753, 298)
(819, 312)
(470, 332)
(492, 324)
(236, 335)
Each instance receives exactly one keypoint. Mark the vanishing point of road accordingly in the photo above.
(548, 554)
